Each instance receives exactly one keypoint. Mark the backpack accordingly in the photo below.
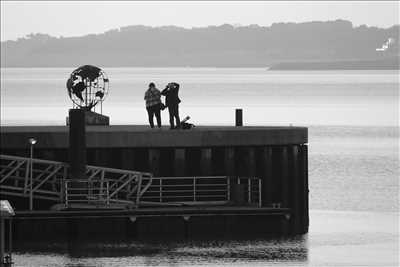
(187, 126)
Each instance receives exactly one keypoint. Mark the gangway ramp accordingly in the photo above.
(49, 180)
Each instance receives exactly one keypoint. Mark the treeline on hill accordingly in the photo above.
(219, 46)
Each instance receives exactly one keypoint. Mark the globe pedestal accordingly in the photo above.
(77, 145)
(93, 118)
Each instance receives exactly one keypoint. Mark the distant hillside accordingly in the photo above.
(219, 46)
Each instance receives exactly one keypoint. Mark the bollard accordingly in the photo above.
(239, 117)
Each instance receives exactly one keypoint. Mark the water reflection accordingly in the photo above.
(171, 253)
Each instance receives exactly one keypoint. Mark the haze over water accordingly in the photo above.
(353, 121)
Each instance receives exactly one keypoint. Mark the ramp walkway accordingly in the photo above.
(111, 188)
(48, 180)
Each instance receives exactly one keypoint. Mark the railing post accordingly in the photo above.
(160, 189)
(107, 193)
(90, 185)
(28, 166)
(194, 188)
(66, 193)
(228, 184)
(31, 182)
(62, 183)
(249, 190)
(102, 180)
(259, 193)
(138, 190)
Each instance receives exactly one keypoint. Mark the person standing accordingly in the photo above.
(153, 104)
(172, 102)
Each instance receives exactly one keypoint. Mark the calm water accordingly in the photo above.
(353, 162)
(306, 98)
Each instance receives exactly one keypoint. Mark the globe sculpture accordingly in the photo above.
(87, 86)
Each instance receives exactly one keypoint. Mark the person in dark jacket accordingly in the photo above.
(172, 102)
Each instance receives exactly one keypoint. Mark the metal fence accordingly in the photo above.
(105, 186)
(87, 192)
(202, 189)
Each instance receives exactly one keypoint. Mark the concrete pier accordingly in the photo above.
(277, 155)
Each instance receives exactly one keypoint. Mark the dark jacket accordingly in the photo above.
(171, 94)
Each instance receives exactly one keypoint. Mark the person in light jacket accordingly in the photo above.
(153, 104)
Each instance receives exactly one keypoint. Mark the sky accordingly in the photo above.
(73, 18)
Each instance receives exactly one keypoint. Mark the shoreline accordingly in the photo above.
(377, 64)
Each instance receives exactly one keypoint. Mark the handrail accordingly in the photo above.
(95, 194)
(107, 169)
(202, 189)
(125, 186)
(50, 178)
(35, 160)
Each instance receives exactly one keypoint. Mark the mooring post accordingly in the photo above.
(239, 117)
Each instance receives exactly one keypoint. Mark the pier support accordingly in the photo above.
(127, 159)
(179, 162)
(205, 161)
(284, 177)
(305, 191)
(294, 187)
(267, 182)
(77, 144)
(250, 162)
(154, 162)
(284, 170)
(229, 161)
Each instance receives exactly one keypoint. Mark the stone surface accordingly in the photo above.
(120, 136)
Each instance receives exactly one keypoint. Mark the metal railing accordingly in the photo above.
(43, 182)
(253, 188)
(106, 186)
(50, 182)
(201, 189)
(87, 191)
